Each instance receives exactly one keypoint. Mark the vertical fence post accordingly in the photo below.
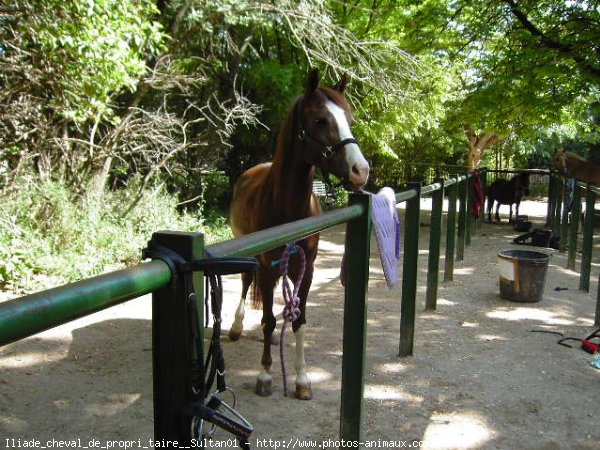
(597, 315)
(558, 202)
(171, 352)
(588, 234)
(462, 219)
(574, 226)
(358, 237)
(564, 223)
(550, 212)
(409, 271)
(450, 232)
(435, 233)
(470, 220)
(483, 177)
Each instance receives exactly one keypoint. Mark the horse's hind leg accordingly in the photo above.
(236, 328)
(498, 212)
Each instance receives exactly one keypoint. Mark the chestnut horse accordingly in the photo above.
(315, 133)
(575, 166)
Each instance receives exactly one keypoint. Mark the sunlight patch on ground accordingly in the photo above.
(393, 368)
(29, 359)
(491, 337)
(443, 301)
(523, 313)
(385, 392)
(13, 424)
(114, 405)
(464, 271)
(455, 430)
(328, 246)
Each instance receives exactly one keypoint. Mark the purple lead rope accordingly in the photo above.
(291, 310)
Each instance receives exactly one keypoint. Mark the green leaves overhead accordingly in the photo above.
(99, 47)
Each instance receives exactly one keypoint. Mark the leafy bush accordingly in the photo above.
(49, 237)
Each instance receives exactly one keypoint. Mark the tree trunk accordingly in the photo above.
(478, 143)
(98, 182)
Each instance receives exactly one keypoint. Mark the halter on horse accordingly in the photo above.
(316, 133)
(506, 193)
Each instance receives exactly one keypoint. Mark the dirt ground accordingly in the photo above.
(478, 379)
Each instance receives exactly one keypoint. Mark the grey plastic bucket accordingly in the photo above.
(522, 274)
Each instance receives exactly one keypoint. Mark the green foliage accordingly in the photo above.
(96, 47)
(48, 237)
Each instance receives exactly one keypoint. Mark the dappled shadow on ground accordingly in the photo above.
(479, 378)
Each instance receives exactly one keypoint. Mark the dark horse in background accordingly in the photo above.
(507, 192)
(315, 133)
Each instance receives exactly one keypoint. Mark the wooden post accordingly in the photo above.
(435, 233)
(409, 271)
(358, 237)
(171, 348)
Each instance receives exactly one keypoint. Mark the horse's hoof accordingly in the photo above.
(264, 386)
(234, 335)
(303, 392)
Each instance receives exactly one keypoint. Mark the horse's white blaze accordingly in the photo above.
(300, 363)
(358, 166)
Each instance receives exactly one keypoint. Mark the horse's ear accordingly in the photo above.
(312, 81)
(341, 86)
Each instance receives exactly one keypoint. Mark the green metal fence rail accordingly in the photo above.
(28, 315)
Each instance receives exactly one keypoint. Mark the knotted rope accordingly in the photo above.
(291, 310)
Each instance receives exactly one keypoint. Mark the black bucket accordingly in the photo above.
(522, 274)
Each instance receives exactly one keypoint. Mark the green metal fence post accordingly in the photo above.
(483, 178)
(450, 232)
(358, 236)
(550, 212)
(171, 348)
(409, 271)
(435, 233)
(588, 235)
(558, 196)
(574, 226)
(597, 315)
(564, 223)
(462, 219)
(470, 224)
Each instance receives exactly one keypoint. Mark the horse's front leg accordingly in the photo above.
(238, 324)
(266, 283)
(303, 386)
(498, 212)
(510, 214)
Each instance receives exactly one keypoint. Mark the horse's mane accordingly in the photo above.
(574, 156)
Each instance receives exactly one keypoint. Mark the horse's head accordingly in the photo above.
(560, 161)
(323, 127)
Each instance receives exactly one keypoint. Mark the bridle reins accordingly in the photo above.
(317, 153)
